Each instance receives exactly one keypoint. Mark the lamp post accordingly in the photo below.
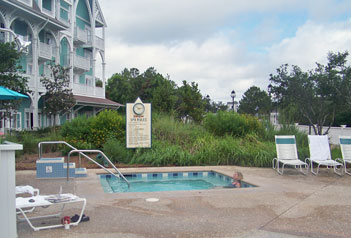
(232, 94)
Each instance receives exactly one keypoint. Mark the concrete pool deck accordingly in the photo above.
(292, 205)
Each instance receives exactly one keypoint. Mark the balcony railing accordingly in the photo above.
(80, 36)
(32, 83)
(85, 90)
(99, 43)
(45, 51)
(99, 92)
(81, 63)
(47, 72)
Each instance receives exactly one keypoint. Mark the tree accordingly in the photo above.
(9, 77)
(316, 94)
(164, 96)
(190, 104)
(58, 98)
(255, 102)
(150, 86)
(212, 106)
(220, 106)
(119, 87)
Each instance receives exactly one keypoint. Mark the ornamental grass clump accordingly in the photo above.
(231, 123)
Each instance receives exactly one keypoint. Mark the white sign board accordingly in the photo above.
(138, 122)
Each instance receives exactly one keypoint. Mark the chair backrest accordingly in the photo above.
(286, 147)
(345, 145)
(319, 147)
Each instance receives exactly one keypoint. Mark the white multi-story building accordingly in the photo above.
(68, 32)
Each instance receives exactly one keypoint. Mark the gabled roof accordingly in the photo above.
(99, 15)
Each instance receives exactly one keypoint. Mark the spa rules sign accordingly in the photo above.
(138, 124)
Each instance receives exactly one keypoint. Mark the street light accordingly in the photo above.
(232, 94)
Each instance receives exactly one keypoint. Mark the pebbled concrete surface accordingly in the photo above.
(290, 206)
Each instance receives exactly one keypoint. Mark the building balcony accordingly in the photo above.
(45, 51)
(34, 83)
(87, 90)
(80, 36)
(81, 64)
(99, 43)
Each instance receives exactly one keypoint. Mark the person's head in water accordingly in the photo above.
(238, 176)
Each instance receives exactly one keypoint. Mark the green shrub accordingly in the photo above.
(166, 128)
(107, 124)
(30, 143)
(161, 154)
(93, 132)
(336, 152)
(209, 150)
(116, 151)
(231, 123)
(77, 132)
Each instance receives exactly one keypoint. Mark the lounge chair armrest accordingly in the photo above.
(340, 160)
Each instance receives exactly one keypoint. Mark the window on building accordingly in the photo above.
(27, 120)
(89, 81)
(16, 121)
(47, 5)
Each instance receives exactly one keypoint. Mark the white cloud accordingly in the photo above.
(216, 65)
(176, 20)
(311, 44)
(198, 41)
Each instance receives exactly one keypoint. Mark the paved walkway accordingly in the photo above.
(288, 206)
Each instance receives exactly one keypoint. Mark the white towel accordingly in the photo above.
(36, 201)
(319, 147)
(25, 189)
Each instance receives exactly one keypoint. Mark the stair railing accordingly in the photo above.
(81, 152)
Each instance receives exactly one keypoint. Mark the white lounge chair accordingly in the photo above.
(345, 145)
(320, 154)
(23, 203)
(287, 154)
(26, 189)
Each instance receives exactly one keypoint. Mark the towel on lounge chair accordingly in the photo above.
(26, 189)
(61, 198)
(32, 202)
(320, 154)
(319, 148)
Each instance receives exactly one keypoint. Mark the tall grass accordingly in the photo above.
(31, 139)
(177, 143)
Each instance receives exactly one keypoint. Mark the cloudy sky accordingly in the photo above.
(223, 45)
